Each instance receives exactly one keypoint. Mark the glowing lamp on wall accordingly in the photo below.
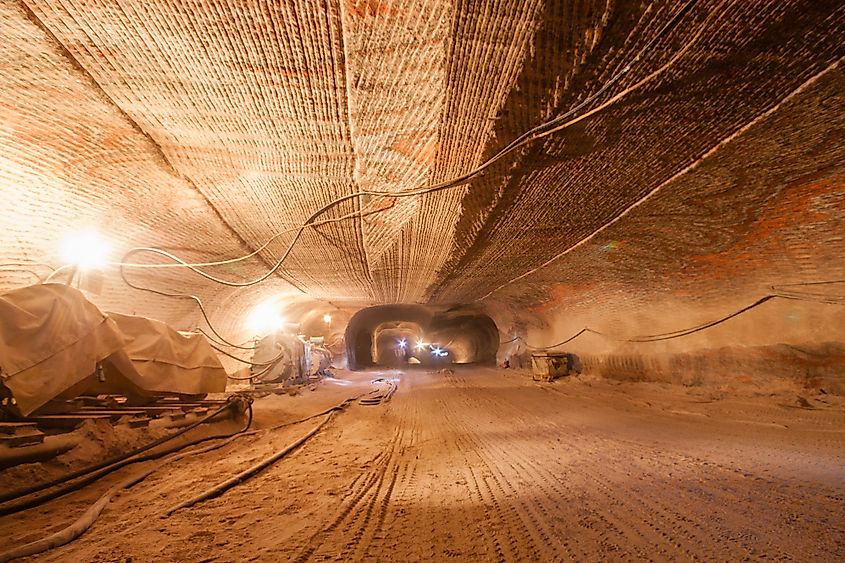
(327, 318)
(85, 250)
(83, 254)
(265, 318)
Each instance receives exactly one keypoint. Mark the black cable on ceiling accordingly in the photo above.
(556, 124)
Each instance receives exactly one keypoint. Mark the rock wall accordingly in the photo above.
(815, 367)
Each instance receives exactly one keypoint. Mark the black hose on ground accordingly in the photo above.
(96, 475)
(218, 490)
(379, 396)
(84, 522)
(13, 495)
(338, 407)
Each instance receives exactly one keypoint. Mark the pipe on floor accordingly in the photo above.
(48, 449)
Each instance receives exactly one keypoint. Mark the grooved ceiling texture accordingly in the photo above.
(206, 127)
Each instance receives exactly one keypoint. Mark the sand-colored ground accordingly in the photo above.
(487, 465)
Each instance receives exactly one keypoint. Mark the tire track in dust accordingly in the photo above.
(502, 522)
(350, 516)
(630, 527)
(535, 514)
(531, 520)
(376, 505)
(480, 470)
(543, 512)
(519, 526)
(360, 527)
(423, 523)
(638, 517)
(614, 532)
(384, 538)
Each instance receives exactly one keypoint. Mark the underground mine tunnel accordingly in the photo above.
(417, 280)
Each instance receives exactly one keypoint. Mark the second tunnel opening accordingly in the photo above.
(407, 335)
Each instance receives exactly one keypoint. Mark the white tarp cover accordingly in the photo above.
(51, 338)
(166, 361)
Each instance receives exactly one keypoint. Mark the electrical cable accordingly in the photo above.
(558, 344)
(221, 488)
(195, 298)
(250, 472)
(789, 97)
(261, 373)
(379, 396)
(820, 296)
(76, 485)
(817, 297)
(84, 522)
(554, 125)
(251, 376)
(16, 494)
(699, 328)
(558, 123)
(827, 282)
(180, 263)
(681, 332)
(268, 362)
(59, 270)
(340, 406)
(221, 343)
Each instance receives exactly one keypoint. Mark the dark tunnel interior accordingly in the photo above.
(407, 335)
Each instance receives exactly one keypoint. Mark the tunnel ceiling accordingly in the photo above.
(207, 127)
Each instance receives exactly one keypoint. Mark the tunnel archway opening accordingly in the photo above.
(407, 335)
(394, 342)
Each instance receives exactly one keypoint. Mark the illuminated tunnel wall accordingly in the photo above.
(465, 336)
(683, 200)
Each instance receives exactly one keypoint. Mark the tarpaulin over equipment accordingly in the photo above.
(51, 338)
(162, 360)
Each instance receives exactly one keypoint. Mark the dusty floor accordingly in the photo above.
(485, 464)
